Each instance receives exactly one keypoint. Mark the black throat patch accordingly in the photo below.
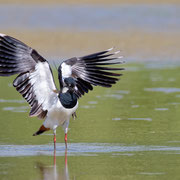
(68, 99)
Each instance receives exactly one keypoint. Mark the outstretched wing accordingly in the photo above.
(90, 70)
(35, 80)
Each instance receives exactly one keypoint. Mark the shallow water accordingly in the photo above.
(81, 149)
(132, 137)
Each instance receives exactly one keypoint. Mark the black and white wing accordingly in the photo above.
(35, 80)
(90, 70)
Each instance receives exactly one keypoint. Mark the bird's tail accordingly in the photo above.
(41, 130)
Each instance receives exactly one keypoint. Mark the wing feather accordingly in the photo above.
(91, 70)
(35, 80)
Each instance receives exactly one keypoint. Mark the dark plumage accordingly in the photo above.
(91, 70)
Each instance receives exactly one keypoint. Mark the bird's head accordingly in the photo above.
(70, 83)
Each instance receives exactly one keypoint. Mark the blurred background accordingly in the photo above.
(142, 30)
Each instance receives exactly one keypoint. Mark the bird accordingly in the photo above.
(35, 82)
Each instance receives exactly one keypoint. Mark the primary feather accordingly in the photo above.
(35, 81)
(90, 70)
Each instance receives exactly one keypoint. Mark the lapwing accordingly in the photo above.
(35, 81)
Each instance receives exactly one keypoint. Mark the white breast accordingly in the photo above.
(57, 115)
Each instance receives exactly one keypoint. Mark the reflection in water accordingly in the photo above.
(161, 109)
(81, 149)
(141, 119)
(87, 106)
(53, 172)
(163, 89)
(12, 101)
(16, 109)
(116, 96)
(116, 119)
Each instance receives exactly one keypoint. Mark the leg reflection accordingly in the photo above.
(55, 172)
(54, 156)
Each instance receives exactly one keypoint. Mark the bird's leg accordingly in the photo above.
(65, 139)
(74, 116)
(65, 126)
(54, 140)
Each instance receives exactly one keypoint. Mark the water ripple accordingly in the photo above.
(16, 109)
(79, 149)
(163, 89)
(12, 101)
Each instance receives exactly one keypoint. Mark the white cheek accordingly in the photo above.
(64, 90)
(66, 70)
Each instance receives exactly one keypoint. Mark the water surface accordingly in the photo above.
(135, 136)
